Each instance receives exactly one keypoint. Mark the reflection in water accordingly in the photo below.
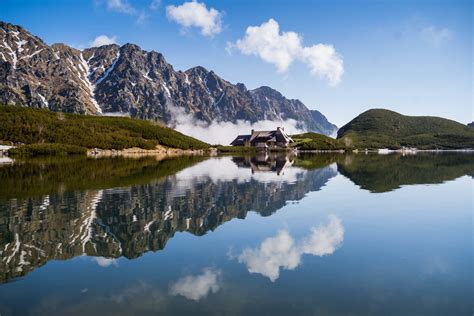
(382, 173)
(111, 208)
(266, 162)
(196, 287)
(283, 252)
(275, 168)
(129, 221)
(105, 262)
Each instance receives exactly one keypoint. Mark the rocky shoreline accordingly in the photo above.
(140, 152)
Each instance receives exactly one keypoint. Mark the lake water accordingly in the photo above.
(310, 235)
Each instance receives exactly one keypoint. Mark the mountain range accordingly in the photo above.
(128, 81)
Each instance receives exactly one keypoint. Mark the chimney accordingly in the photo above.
(251, 133)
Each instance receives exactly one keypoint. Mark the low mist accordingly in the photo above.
(224, 133)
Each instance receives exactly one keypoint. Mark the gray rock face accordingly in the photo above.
(276, 106)
(127, 80)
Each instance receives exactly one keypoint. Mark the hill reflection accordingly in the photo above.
(383, 173)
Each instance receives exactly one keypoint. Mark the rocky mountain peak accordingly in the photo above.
(126, 80)
(267, 91)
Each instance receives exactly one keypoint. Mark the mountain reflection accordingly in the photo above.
(109, 208)
(54, 215)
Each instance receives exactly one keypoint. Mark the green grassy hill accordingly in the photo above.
(314, 141)
(35, 126)
(380, 128)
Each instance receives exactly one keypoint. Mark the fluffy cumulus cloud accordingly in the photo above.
(435, 36)
(103, 40)
(283, 252)
(196, 287)
(324, 61)
(283, 48)
(224, 132)
(196, 14)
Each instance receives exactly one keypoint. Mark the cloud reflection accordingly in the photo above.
(198, 286)
(283, 252)
(105, 262)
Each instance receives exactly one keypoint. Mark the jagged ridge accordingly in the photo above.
(126, 80)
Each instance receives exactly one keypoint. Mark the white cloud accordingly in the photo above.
(436, 36)
(105, 262)
(224, 132)
(196, 14)
(199, 286)
(269, 44)
(324, 61)
(121, 6)
(103, 40)
(283, 48)
(282, 252)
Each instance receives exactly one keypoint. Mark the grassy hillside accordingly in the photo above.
(35, 126)
(380, 128)
(314, 141)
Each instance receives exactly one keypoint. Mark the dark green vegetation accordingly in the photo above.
(314, 141)
(380, 128)
(310, 161)
(47, 149)
(39, 176)
(382, 173)
(235, 149)
(35, 126)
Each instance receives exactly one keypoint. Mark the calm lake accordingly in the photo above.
(342, 234)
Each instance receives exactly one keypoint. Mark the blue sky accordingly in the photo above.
(414, 57)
